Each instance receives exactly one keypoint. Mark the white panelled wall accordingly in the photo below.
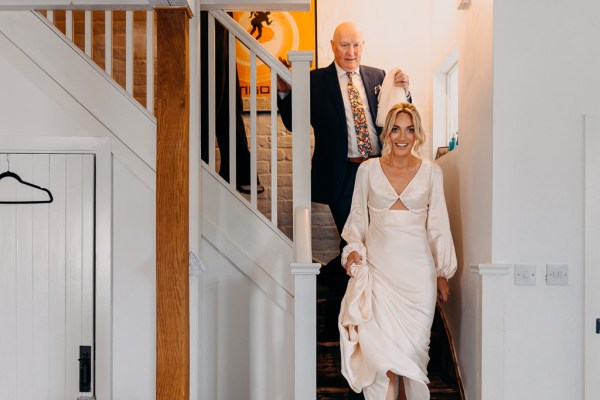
(37, 111)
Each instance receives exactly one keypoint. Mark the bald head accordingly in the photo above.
(347, 45)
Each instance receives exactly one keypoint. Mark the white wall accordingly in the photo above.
(33, 105)
(468, 171)
(545, 78)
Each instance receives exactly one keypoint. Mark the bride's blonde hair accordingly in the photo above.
(390, 120)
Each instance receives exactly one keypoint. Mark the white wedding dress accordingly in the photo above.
(387, 311)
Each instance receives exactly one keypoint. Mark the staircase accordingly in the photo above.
(445, 383)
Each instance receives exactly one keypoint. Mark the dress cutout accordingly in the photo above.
(387, 311)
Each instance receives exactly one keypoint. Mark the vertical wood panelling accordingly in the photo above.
(23, 166)
(40, 325)
(172, 205)
(46, 276)
(8, 306)
(73, 267)
(56, 280)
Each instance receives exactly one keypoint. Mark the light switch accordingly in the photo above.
(525, 274)
(557, 274)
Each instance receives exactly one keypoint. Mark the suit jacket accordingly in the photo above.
(328, 119)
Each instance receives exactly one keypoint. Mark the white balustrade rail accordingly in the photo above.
(108, 18)
(303, 269)
(298, 79)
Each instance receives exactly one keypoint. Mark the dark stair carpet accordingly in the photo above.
(331, 385)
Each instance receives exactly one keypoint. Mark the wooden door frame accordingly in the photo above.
(100, 147)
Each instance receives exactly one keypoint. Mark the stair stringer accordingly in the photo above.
(244, 236)
(72, 79)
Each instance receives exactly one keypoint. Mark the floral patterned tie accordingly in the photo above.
(360, 120)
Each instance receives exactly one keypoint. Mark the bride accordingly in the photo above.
(399, 252)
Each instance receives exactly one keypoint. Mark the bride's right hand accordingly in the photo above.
(353, 258)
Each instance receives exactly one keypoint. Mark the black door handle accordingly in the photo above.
(85, 368)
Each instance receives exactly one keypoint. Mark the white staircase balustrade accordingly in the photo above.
(130, 32)
(300, 139)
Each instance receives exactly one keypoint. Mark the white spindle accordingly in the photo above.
(129, 51)
(274, 147)
(108, 42)
(150, 61)
(211, 92)
(50, 16)
(232, 113)
(69, 24)
(253, 182)
(88, 33)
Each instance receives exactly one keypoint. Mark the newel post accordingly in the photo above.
(300, 61)
(490, 349)
(305, 310)
(172, 206)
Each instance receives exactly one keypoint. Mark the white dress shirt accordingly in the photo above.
(358, 84)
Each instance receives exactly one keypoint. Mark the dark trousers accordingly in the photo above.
(340, 209)
(333, 274)
(222, 83)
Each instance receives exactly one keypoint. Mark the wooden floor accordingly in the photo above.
(331, 385)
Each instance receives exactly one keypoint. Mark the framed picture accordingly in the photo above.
(279, 32)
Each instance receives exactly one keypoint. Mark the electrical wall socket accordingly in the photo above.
(557, 274)
(525, 274)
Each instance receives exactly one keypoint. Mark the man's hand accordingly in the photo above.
(283, 86)
(401, 80)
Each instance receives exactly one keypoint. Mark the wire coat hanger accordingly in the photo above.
(9, 174)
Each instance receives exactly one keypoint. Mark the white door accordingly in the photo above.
(46, 275)
(592, 257)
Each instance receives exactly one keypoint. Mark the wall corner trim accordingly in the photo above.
(491, 269)
(305, 269)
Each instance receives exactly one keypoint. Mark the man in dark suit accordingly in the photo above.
(337, 153)
(337, 156)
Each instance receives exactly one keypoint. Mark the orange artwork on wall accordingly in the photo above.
(279, 32)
